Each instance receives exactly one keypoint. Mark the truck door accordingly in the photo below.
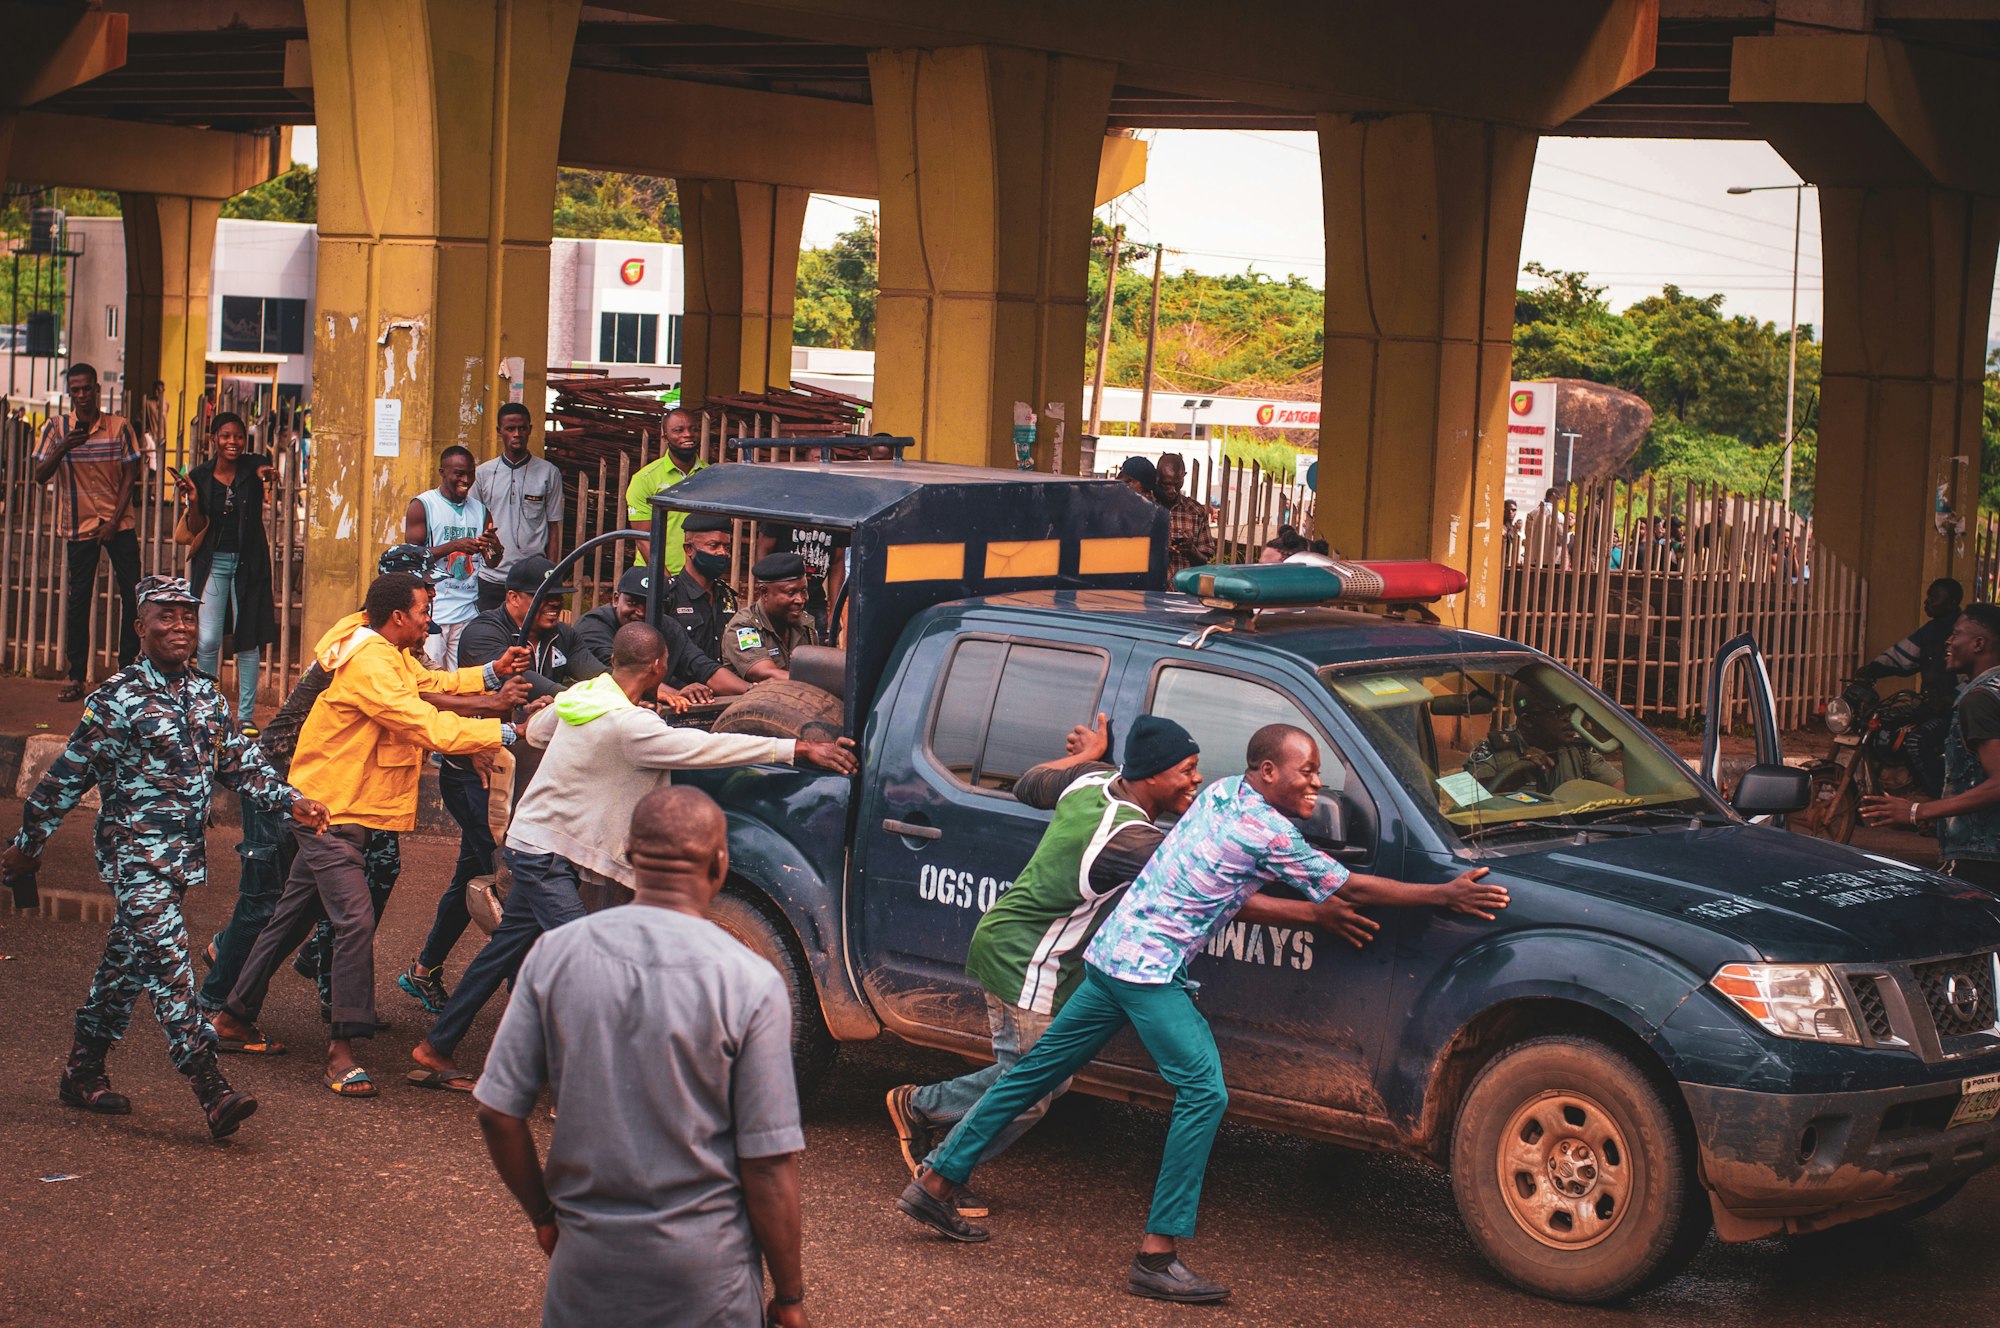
(1739, 652)
(940, 831)
(1298, 1014)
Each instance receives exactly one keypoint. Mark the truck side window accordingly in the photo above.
(1005, 706)
(1221, 711)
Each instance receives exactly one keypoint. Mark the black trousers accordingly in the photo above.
(82, 556)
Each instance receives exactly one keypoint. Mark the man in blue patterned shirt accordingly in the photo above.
(1234, 840)
(154, 739)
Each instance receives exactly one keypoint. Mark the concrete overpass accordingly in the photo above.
(983, 131)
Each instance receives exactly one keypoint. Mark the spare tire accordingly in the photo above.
(784, 708)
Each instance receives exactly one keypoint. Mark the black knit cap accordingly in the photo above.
(1155, 744)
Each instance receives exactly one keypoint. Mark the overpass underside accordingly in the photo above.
(989, 134)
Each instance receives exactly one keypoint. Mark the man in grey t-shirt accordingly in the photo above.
(673, 1169)
(524, 494)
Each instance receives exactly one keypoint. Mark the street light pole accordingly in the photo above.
(1792, 361)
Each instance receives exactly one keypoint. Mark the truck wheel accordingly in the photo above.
(813, 1047)
(783, 708)
(1573, 1173)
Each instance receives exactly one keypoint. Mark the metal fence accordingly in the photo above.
(1638, 586)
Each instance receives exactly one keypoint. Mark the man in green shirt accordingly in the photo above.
(1027, 951)
(681, 459)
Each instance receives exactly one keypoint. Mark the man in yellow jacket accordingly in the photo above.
(361, 751)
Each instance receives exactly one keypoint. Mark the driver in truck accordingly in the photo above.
(1542, 752)
(1234, 840)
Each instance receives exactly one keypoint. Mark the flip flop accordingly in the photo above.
(256, 1046)
(74, 692)
(449, 1081)
(355, 1083)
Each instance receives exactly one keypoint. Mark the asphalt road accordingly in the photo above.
(332, 1211)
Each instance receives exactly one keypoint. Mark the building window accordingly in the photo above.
(266, 326)
(628, 338)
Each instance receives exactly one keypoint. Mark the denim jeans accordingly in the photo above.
(544, 897)
(266, 852)
(218, 595)
(464, 798)
(1182, 1047)
(1014, 1030)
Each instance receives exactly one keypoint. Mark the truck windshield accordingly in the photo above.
(1512, 745)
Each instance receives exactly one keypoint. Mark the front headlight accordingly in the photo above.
(1839, 716)
(1791, 1000)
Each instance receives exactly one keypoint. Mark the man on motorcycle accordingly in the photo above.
(1968, 816)
(1921, 653)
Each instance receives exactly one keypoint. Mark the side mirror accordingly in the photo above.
(1327, 826)
(1772, 790)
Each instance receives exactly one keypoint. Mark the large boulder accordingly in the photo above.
(1609, 421)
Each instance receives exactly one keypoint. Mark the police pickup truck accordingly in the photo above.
(1686, 1018)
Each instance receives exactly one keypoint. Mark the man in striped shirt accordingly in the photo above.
(1027, 951)
(94, 460)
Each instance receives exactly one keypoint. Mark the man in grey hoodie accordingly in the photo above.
(604, 752)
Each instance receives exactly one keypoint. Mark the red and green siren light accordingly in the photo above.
(1298, 585)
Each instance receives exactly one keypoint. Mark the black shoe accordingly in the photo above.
(913, 1134)
(926, 1210)
(85, 1084)
(969, 1204)
(224, 1107)
(1176, 1282)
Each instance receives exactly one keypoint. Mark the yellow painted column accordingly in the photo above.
(988, 164)
(438, 126)
(741, 261)
(1909, 286)
(169, 256)
(1423, 242)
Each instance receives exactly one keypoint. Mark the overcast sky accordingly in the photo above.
(1634, 213)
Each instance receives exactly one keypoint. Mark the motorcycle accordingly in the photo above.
(1874, 751)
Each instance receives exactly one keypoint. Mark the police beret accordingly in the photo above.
(779, 567)
(699, 522)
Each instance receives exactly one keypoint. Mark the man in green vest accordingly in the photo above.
(1027, 951)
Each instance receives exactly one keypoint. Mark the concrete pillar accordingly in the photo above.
(1423, 242)
(742, 272)
(169, 254)
(988, 163)
(438, 124)
(1909, 286)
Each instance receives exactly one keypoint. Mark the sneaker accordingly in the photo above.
(921, 1207)
(1176, 1282)
(424, 986)
(913, 1133)
(970, 1204)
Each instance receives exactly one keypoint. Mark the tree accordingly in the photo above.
(604, 205)
(293, 196)
(835, 302)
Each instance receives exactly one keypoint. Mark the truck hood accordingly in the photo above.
(1789, 896)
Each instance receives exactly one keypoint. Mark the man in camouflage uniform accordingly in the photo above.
(1541, 753)
(154, 739)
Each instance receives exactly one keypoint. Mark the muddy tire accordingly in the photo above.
(751, 923)
(1574, 1172)
(783, 708)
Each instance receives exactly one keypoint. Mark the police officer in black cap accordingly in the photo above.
(759, 640)
(558, 660)
(691, 675)
(699, 597)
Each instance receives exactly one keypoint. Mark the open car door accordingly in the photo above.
(1769, 789)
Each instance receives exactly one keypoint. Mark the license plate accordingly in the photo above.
(1979, 1101)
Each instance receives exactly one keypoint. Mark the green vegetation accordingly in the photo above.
(835, 304)
(603, 205)
(293, 196)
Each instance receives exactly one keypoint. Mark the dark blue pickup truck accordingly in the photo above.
(1685, 1019)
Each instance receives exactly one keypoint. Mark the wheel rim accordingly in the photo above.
(1565, 1170)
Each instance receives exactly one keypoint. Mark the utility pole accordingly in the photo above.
(1104, 337)
(1152, 345)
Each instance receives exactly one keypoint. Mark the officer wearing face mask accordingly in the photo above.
(698, 597)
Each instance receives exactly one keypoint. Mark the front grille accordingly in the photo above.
(1874, 1014)
(1959, 993)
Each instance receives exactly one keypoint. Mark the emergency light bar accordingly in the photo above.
(1296, 585)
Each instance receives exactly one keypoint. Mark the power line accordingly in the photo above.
(1673, 244)
(1681, 199)
(1679, 225)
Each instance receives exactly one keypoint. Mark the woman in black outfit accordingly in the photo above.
(231, 566)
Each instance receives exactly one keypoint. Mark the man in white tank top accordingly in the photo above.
(455, 528)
